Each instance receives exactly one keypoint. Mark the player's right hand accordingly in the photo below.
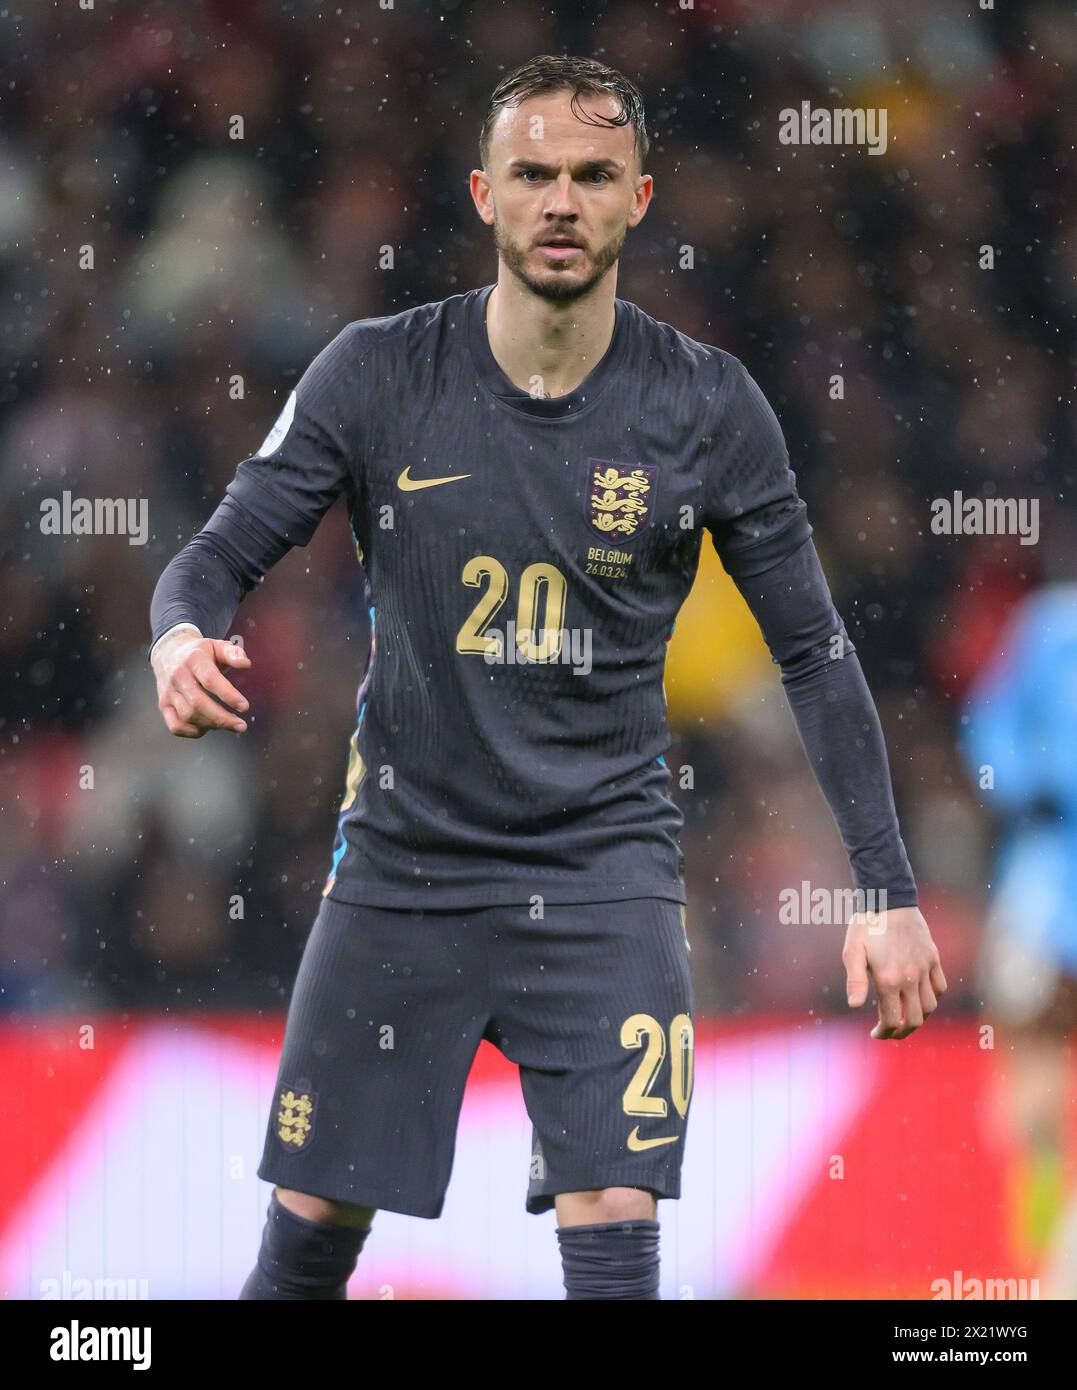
(188, 670)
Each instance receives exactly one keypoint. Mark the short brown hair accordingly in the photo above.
(580, 76)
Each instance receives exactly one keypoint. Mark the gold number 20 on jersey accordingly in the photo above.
(472, 638)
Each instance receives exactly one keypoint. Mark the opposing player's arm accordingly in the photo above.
(275, 501)
(761, 532)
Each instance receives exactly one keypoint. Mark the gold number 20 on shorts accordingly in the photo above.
(637, 1097)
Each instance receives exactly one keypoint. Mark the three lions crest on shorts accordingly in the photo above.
(295, 1119)
(620, 498)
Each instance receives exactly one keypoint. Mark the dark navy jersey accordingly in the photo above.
(525, 561)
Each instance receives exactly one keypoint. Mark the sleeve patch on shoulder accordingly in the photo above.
(275, 438)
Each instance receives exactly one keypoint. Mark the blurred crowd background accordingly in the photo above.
(122, 849)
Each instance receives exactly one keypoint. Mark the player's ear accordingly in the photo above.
(644, 190)
(482, 195)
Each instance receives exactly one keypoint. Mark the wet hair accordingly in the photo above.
(580, 76)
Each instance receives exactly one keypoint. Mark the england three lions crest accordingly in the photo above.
(620, 498)
(294, 1124)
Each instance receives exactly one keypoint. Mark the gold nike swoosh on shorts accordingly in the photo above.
(406, 484)
(637, 1145)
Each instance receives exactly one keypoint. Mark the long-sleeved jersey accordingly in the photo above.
(525, 560)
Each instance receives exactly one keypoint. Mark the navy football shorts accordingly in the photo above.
(593, 1002)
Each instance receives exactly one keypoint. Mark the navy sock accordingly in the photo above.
(302, 1259)
(616, 1259)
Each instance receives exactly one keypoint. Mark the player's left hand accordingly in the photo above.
(896, 949)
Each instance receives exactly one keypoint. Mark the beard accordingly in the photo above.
(554, 285)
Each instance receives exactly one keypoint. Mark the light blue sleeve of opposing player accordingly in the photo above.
(1020, 717)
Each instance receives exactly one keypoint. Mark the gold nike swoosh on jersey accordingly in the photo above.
(406, 484)
(637, 1145)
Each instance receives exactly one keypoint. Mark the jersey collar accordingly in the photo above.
(498, 384)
